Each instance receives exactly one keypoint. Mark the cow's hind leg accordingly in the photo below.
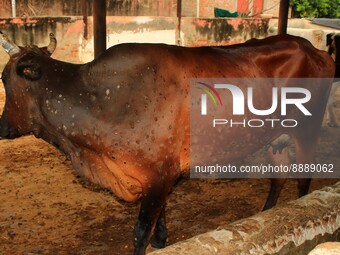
(303, 186)
(306, 140)
(330, 106)
(305, 151)
(274, 193)
(277, 155)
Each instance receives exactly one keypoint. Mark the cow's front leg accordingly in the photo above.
(152, 205)
(160, 234)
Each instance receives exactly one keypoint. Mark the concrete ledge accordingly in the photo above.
(295, 228)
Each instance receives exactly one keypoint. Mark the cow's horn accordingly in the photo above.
(53, 44)
(8, 45)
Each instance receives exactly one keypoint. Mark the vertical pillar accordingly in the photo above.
(179, 17)
(84, 12)
(283, 17)
(99, 26)
(14, 8)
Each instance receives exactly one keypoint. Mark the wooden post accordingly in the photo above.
(283, 17)
(99, 26)
(84, 12)
(179, 19)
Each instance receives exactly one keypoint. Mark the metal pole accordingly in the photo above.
(99, 26)
(283, 17)
(14, 9)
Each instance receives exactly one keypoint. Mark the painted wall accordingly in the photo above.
(203, 32)
(168, 8)
(75, 39)
(74, 8)
(206, 9)
(271, 7)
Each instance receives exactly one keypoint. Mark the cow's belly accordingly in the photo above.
(102, 170)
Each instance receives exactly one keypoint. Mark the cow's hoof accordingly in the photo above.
(158, 243)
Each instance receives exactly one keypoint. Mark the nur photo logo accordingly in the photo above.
(244, 101)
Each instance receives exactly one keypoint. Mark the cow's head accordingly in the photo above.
(22, 72)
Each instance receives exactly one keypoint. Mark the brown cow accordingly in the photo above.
(123, 119)
(333, 43)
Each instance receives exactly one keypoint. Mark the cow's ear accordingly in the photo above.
(29, 70)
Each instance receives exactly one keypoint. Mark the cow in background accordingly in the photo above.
(333, 43)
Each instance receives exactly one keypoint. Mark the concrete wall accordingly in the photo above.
(271, 7)
(206, 7)
(69, 32)
(203, 32)
(75, 38)
(190, 8)
(295, 228)
(302, 27)
(74, 8)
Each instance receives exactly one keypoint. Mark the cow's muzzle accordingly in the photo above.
(4, 128)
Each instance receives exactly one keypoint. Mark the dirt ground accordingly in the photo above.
(46, 209)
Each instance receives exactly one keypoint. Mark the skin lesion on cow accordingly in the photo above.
(124, 118)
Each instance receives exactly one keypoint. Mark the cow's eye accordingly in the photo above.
(29, 70)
